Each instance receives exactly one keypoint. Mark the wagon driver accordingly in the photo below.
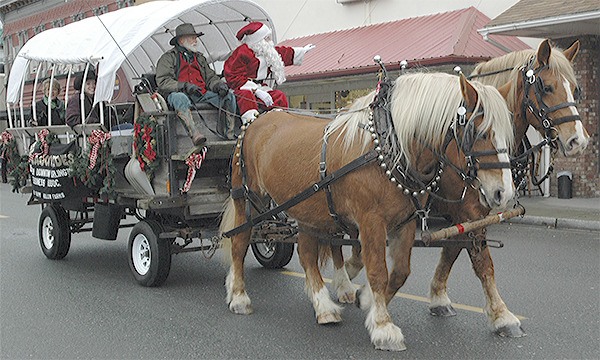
(255, 60)
(183, 74)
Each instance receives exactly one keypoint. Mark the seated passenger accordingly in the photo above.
(92, 112)
(57, 106)
(183, 75)
(252, 62)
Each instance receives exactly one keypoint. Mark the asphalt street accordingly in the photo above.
(88, 305)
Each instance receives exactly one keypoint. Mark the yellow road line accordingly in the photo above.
(410, 296)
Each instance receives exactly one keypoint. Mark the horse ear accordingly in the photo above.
(571, 52)
(543, 52)
(468, 91)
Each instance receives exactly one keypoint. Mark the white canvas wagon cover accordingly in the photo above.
(134, 38)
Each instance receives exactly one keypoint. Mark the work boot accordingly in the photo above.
(197, 137)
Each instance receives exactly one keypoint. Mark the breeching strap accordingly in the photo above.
(306, 193)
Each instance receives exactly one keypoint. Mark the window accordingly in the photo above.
(124, 3)
(38, 29)
(78, 17)
(58, 23)
(100, 10)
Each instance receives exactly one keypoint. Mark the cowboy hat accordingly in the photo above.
(183, 30)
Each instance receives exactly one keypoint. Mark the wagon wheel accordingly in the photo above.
(149, 256)
(272, 254)
(54, 232)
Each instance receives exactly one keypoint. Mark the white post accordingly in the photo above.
(50, 87)
(10, 122)
(546, 183)
(67, 85)
(35, 82)
(82, 103)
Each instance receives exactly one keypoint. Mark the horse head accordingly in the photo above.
(465, 123)
(540, 88)
(549, 87)
(483, 131)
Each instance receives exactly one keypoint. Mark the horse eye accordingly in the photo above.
(548, 89)
(484, 136)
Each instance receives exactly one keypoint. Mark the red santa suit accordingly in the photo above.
(245, 71)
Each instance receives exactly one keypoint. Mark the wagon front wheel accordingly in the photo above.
(54, 232)
(273, 255)
(149, 256)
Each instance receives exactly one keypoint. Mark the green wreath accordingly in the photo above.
(96, 172)
(144, 144)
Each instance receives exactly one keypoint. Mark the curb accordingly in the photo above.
(557, 223)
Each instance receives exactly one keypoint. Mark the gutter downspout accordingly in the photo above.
(485, 34)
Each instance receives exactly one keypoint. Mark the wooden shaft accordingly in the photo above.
(473, 225)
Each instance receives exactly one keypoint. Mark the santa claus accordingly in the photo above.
(254, 61)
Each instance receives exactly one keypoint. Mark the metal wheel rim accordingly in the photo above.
(266, 250)
(140, 253)
(48, 233)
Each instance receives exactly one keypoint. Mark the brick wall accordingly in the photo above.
(585, 167)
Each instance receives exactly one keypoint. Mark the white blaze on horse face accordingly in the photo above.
(579, 141)
(507, 180)
(496, 193)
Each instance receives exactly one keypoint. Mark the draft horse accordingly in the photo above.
(279, 156)
(539, 88)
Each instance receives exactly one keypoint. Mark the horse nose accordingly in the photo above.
(499, 196)
(576, 142)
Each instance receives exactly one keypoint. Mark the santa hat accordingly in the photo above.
(253, 32)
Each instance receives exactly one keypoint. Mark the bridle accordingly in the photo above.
(538, 108)
(382, 130)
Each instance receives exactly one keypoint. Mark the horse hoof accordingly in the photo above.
(347, 298)
(357, 300)
(391, 347)
(444, 310)
(511, 331)
(329, 318)
(241, 309)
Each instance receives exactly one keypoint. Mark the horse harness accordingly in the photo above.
(384, 137)
(541, 111)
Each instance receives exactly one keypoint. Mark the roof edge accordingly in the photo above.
(455, 60)
(590, 15)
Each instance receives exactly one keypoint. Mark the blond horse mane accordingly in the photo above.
(558, 65)
(423, 107)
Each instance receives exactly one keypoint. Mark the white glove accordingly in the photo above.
(264, 96)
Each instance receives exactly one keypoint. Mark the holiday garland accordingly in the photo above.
(18, 165)
(95, 168)
(144, 144)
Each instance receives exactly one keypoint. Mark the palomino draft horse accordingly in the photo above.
(538, 87)
(278, 157)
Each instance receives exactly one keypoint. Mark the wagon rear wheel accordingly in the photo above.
(273, 255)
(54, 232)
(149, 256)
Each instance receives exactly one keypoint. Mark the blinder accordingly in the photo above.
(540, 110)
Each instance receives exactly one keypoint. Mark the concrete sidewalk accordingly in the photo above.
(576, 213)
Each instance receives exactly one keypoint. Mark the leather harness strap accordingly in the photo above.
(305, 194)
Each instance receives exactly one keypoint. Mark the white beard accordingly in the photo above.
(189, 45)
(266, 49)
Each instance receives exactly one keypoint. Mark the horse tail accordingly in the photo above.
(227, 223)
(324, 254)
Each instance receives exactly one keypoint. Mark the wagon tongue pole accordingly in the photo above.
(472, 225)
